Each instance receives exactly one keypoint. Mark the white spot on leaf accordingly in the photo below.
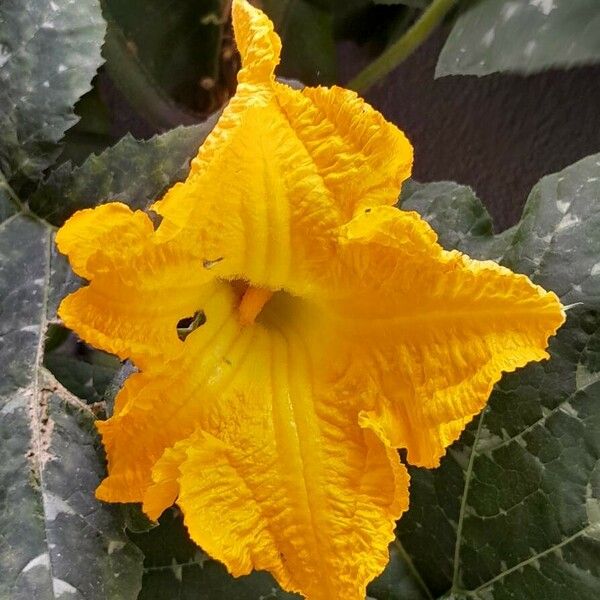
(487, 439)
(529, 48)
(115, 546)
(61, 587)
(11, 406)
(5, 54)
(177, 570)
(54, 506)
(42, 560)
(585, 378)
(569, 410)
(509, 10)
(488, 38)
(592, 504)
(544, 6)
(567, 221)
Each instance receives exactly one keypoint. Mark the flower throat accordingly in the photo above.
(252, 302)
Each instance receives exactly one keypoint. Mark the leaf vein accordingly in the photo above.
(463, 503)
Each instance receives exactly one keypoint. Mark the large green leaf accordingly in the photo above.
(87, 376)
(458, 217)
(49, 52)
(514, 509)
(57, 541)
(133, 171)
(520, 36)
(94, 131)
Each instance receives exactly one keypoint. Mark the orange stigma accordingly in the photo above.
(252, 303)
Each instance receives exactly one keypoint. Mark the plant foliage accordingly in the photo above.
(522, 37)
(514, 509)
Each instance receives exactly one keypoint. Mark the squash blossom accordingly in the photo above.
(324, 330)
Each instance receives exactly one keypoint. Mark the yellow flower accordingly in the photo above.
(336, 331)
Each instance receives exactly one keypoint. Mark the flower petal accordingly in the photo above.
(362, 158)
(269, 220)
(322, 534)
(263, 430)
(307, 493)
(358, 157)
(139, 289)
(257, 42)
(151, 413)
(95, 239)
(435, 329)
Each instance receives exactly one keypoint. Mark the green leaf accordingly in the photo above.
(94, 132)
(58, 541)
(458, 217)
(132, 171)
(307, 32)
(514, 509)
(135, 519)
(49, 53)
(523, 37)
(400, 580)
(86, 377)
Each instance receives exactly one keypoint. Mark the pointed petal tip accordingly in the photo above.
(93, 234)
(112, 491)
(158, 498)
(257, 42)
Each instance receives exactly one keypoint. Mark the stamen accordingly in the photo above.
(252, 303)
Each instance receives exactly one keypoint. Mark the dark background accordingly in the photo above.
(499, 134)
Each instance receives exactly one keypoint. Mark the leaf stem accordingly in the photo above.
(137, 85)
(463, 505)
(403, 47)
(411, 567)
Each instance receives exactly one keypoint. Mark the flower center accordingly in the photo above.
(252, 302)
